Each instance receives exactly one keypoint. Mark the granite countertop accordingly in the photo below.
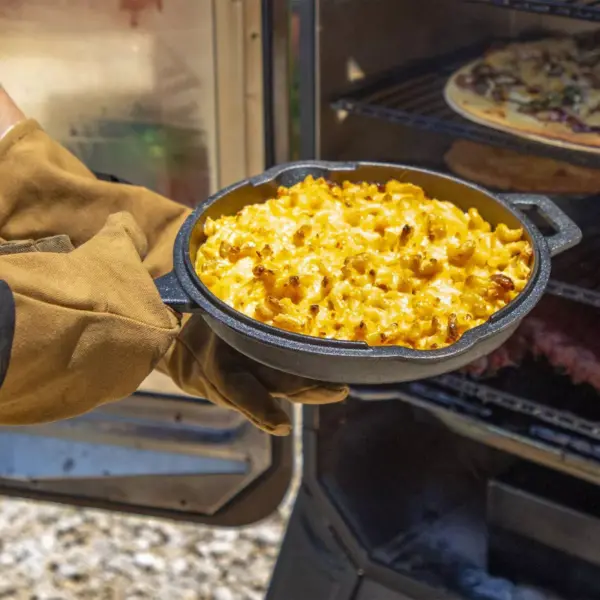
(51, 552)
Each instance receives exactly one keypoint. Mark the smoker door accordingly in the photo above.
(171, 95)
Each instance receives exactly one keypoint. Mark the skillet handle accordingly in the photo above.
(173, 295)
(567, 233)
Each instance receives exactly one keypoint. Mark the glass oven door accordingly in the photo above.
(167, 94)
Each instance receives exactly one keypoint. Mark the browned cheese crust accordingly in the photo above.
(547, 91)
(507, 170)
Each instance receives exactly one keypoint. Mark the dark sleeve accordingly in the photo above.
(7, 327)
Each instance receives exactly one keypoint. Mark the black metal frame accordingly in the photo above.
(321, 556)
(308, 79)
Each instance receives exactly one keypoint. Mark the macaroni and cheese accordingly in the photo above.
(382, 264)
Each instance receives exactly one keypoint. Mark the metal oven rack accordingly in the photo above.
(584, 10)
(534, 429)
(550, 423)
(412, 95)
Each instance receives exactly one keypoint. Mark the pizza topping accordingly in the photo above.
(592, 79)
(479, 85)
(590, 59)
(593, 120)
(482, 69)
(552, 116)
(572, 95)
(590, 40)
(554, 69)
(505, 79)
(521, 96)
(499, 95)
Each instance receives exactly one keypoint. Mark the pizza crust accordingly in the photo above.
(486, 111)
(506, 170)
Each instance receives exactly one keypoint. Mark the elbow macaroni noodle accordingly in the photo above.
(382, 264)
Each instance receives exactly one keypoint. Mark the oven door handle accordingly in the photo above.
(567, 233)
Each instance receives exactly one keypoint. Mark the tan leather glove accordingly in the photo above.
(46, 191)
(201, 364)
(90, 323)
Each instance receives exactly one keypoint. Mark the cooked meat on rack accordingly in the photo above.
(566, 334)
(510, 354)
(562, 332)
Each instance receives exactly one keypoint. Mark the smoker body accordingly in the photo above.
(453, 487)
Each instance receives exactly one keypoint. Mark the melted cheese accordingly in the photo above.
(381, 264)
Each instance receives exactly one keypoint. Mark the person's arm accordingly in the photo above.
(10, 113)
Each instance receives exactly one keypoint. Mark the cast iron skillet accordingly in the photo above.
(356, 362)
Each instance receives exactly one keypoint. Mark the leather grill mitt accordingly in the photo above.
(90, 324)
(46, 191)
(201, 364)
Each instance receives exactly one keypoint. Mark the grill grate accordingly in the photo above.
(570, 424)
(550, 415)
(412, 95)
(533, 402)
(573, 292)
(543, 406)
(584, 10)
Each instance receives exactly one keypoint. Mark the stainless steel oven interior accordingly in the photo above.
(478, 484)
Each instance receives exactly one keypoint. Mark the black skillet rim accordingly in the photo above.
(274, 336)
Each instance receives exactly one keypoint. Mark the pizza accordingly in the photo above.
(510, 171)
(547, 90)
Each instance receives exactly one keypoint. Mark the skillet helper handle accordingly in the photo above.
(567, 233)
(173, 295)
